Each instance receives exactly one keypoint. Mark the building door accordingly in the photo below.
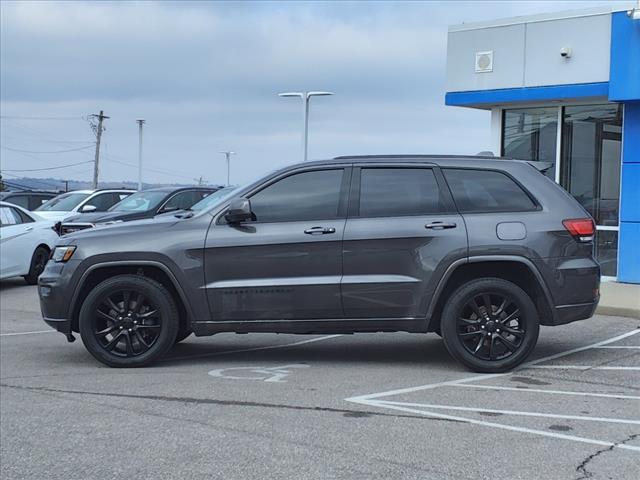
(590, 171)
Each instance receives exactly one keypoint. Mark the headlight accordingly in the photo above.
(62, 254)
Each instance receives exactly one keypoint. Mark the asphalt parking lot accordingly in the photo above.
(285, 406)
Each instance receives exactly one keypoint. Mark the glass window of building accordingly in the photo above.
(591, 147)
(531, 134)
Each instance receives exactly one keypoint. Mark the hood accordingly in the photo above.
(53, 215)
(147, 225)
(101, 217)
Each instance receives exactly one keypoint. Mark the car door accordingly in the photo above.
(16, 231)
(402, 233)
(287, 263)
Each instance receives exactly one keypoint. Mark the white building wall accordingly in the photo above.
(526, 52)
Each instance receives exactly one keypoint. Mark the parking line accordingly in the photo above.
(582, 367)
(621, 347)
(544, 433)
(625, 421)
(486, 376)
(557, 392)
(26, 333)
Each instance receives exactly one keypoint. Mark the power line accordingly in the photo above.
(54, 151)
(48, 168)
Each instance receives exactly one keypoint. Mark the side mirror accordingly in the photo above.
(239, 210)
(88, 208)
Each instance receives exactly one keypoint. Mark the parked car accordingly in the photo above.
(26, 241)
(480, 250)
(81, 201)
(145, 204)
(28, 199)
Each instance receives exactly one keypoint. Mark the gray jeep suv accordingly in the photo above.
(480, 250)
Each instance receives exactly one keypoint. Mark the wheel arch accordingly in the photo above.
(519, 270)
(157, 271)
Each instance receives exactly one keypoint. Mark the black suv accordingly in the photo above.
(144, 204)
(478, 249)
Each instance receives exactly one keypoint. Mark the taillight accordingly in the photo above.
(582, 229)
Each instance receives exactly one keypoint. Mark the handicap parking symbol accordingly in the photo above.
(264, 374)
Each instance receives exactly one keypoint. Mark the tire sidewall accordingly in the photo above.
(156, 294)
(490, 285)
(32, 277)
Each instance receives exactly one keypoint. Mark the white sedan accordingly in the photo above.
(25, 243)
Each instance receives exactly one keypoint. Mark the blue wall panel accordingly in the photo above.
(629, 239)
(624, 69)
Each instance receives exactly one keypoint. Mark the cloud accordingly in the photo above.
(205, 77)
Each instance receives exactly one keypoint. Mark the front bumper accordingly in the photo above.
(55, 291)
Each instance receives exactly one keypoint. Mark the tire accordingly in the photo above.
(38, 261)
(183, 333)
(128, 321)
(492, 341)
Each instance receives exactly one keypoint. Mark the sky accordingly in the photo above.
(205, 77)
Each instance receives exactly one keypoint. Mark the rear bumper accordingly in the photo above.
(571, 313)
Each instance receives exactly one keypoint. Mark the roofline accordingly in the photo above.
(418, 157)
(542, 17)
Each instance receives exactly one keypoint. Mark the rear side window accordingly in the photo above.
(392, 192)
(20, 200)
(486, 191)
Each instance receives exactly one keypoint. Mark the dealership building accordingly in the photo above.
(564, 88)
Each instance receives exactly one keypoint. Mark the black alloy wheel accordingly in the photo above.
(128, 321)
(490, 325)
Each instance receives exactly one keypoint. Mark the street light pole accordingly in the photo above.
(305, 96)
(140, 123)
(228, 156)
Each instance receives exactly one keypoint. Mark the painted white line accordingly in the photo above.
(26, 333)
(625, 421)
(621, 347)
(556, 392)
(255, 349)
(486, 376)
(543, 433)
(582, 367)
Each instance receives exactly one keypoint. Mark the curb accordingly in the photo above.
(618, 311)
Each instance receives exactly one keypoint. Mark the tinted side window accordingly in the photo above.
(20, 200)
(104, 201)
(389, 192)
(486, 191)
(303, 196)
(37, 200)
(181, 201)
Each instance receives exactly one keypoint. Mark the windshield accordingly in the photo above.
(139, 202)
(214, 199)
(63, 203)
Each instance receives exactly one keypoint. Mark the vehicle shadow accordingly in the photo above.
(13, 283)
(359, 348)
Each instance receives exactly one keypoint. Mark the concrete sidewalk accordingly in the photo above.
(619, 299)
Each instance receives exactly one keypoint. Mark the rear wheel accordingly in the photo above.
(38, 262)
(128, 321)
(490, 325)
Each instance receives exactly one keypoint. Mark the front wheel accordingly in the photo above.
(128, 321)
(490, 325)
(36, 267)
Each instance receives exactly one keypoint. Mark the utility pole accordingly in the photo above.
(140, 123)
(228, 156)
(98, 131)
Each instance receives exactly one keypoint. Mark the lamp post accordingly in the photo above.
(305, 96)
(228, 157)
(140, 123)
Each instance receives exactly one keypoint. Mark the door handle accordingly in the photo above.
(319, 230)
(28, 229)
(440, 225)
